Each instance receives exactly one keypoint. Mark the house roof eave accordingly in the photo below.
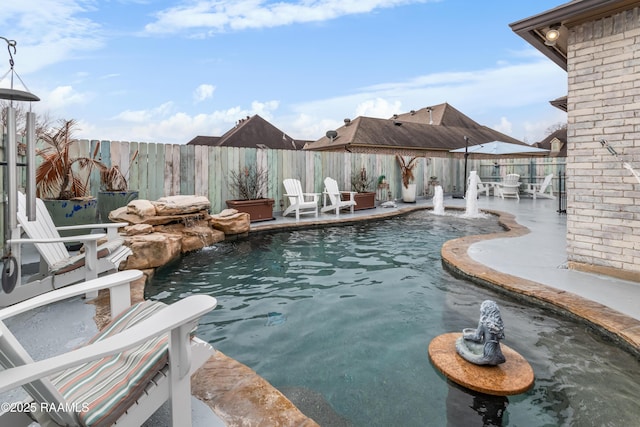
(569, 14)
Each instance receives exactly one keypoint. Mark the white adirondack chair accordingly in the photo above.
(144, 357)
(336, 203)
(299, 202)
(540, 190)
(57, 266)
(510, 186)
(483, 187)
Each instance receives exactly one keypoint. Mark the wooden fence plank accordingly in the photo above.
(175, 166)
(159, 173)
(187, 168)
(213, 178)
(132, 178)
(202, 170)
(140, 169)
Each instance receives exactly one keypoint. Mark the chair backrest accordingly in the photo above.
(293, 187)
(42, 228)
(546, 182)
(12, 354)
(331, 187)
(481, 185)
(511, 179)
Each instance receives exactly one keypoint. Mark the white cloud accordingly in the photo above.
(378, 107)
(49, 31)
(161, 124)
(203, 92)
(63, 96)
(307, 127)
(264, 109)
(226, 15)
(142, 116)
(504, 126)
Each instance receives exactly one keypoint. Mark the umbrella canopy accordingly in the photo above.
(500, 148)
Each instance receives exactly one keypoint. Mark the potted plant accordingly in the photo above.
(114, 189)
(406, 170)
(248, 186)
(365, 198)
(62, 179)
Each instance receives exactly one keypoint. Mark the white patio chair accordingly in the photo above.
(58, 267)
(334, 194)
(483, 187)
(540, 190)
(510, 186)
(299, 202)
(144, 357)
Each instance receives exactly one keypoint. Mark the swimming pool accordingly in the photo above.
(348, 313)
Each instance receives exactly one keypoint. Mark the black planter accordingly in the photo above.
(111, 200)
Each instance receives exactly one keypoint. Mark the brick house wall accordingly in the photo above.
(603, 198)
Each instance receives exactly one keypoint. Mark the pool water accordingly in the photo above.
(347, 313)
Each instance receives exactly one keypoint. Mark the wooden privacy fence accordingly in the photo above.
(164, 169)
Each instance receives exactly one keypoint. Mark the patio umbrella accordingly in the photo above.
(495, 148)
(500, 148)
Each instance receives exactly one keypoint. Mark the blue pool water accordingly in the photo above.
(347, 313)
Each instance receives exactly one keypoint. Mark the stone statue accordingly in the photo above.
(481, 346)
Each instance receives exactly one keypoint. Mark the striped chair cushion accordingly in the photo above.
(108, 387)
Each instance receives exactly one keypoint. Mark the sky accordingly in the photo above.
(166, 71)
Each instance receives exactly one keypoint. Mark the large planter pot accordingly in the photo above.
(365, 200)
(258, 209)
(111, 200)
(409, 193)
(72, 212)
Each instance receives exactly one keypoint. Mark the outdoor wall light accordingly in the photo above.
(552, 35)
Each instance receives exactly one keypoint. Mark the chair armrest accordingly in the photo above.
(171, 318)
(112, 228)
(111, 281)
(90, 245)
(93, 226)
(81, 238)
(352, 195)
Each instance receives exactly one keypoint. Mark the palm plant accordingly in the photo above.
(114, 179)
(406, 169)
(58, 176)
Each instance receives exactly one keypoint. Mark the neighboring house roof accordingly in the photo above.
(410, 133)
(251, 132)
(440, 115)
(211, 141)
(558, 140)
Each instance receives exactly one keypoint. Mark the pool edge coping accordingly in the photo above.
(624, 330)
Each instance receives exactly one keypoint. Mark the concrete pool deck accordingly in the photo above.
(528, 259)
